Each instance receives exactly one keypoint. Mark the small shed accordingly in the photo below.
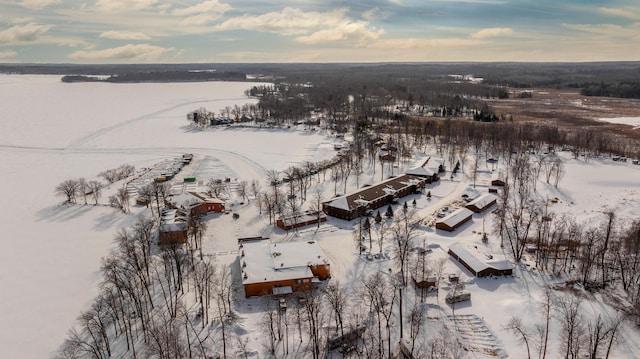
(425, 283)
(300, 220)
(454, 220)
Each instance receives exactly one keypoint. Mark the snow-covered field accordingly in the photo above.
(49, 265)
(51, 131)
(631, 121)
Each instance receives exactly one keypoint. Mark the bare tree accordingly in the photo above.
(68, 189)
(572, 327)
(403, 232)
(95, 189)
(337, 298)
(255, 189)
(165, 338)
(82, 189)
(557, 171)
(547, 310)
(518, 328)
(316, 205)
(216, 187)
(416, 319)
(242, 189)
(120, 200)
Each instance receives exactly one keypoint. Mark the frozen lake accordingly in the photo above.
(52, 131)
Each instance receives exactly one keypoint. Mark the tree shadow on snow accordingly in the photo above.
(62, 212)
(492, 283)
(109, 220)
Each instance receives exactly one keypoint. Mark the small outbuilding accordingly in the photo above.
(300, 220)
(454, 220)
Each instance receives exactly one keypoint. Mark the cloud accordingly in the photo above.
(371, 14)
(23, 33)
(310, 27)
(202, 13)
(210, 6)
(418, 43)
(5, 55)
(124, 5)
(21, 20)
(492, 32)
(38, 4)
(130, 52)
(608, 30)
(355, 33)
(124, 35)
(626, 12)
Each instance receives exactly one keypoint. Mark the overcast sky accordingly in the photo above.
(143, 31)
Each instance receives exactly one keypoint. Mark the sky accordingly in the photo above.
(222, 31)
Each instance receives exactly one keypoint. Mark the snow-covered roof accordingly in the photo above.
(477, 265)
(421, 171)
(471, 260)
(456, 217)
(437, 161)
(184, 200)
(205, 197)
(264, 261)
(501, 264)
(302, 217)
(365, 195)
(173, 220)
(340, 203)
(483, 200)
(389, 191)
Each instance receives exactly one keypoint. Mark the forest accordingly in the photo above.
(620, 79)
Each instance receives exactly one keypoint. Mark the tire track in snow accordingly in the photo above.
(230, 158)
(103, 131)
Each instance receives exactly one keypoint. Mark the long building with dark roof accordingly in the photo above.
(355, 204)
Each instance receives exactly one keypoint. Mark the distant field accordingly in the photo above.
(570, 108)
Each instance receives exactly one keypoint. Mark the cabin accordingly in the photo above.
(388, 156)
(483, 202)
(195, 202)
(173, 226)
(357, 203)
(303, 219)
(454, 219)
(269, 268)
(425, 283)
(478, 267)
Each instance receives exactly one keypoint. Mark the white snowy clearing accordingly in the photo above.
(631, 121)
(49, 266)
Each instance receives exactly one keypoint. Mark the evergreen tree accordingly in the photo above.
(389, 213)
(378, 217)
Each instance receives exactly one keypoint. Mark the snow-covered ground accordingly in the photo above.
(631, 121)
(52, 131)
(49, 265)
